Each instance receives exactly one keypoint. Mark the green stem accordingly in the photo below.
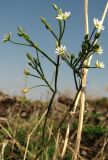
(22, 44)
(79, 59)
(72, 106)
(49, 106)
(53, 34)
(41, 85)
(48, 85)
(52, 98)
(45, 55)
(62, 30)
(56, 78)
(75, 80)
(61, 123)
(92, 34)
(39, 63)
(34, 76)
(33, 45)
(89, 55)
(56, 72)
(72, 67)
(88, 51)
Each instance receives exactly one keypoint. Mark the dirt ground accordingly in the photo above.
(94, 143)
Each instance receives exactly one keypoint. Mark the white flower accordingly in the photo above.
(61, 50)
(98, 24)
(63, 16)
(99, 50)
(99, 64)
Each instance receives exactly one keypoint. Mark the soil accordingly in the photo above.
(94, 141)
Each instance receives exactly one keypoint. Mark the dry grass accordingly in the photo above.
(20, 137)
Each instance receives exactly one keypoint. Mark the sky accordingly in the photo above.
(27, 13)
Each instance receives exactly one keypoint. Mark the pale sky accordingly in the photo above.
(27, 13)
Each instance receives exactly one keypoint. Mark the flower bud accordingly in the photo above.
(20, 31)
(6, 37)
(29, 56)
(30, 64)
(97, 35)
(45, 23)
(57, 44)
(43, 20)
(26, 72)
(86, 37)
(25, 90)
(96, 46)
(55, 7)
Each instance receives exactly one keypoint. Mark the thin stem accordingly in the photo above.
(89, 55)
(72, 67)
(33, 45)
(42, 77)
(39, 62)
(22, 44)
(56, 72)
(48, 84)
(92, 34)
(75, 80)
(79, 59)
(41, 85)
(72, 106)
(62, 30)
(45, 55)
(35, 67)
(49, 106)
(34, 76)
(61, 123)
(52, 98)
(56, 78)
(53, 34)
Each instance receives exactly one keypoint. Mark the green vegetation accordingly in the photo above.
(21, 137)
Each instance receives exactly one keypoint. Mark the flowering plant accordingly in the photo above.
(77, 63)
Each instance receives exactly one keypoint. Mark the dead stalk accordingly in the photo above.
(76, 102)
(50, 130)
(100, 154)
(85, 71)
(82, 102)
(29, 136)
(57, 146)
(66, 140)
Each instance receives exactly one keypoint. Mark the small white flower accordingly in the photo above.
(61, 50)
(98, 24)
(99, 64)
(99, 50)
(63, 16)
